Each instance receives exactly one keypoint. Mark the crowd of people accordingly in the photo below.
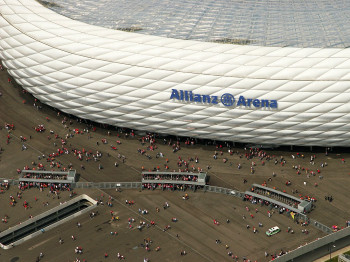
(44, 176)
(183, 164)
(288, 200)
(53, 187)
(176, 184)
(261, 202)
(177, 177)
(170, 186)
(254, 156)
(4, 186)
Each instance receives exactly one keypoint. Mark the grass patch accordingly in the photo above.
(335, 259)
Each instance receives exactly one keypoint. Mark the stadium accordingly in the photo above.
(253, 72)
(262, 72)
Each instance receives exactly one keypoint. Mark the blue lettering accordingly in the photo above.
(206, 99)
(197, 98)
(265, 103)
(241, 101)
(273, 103)
(226, 99)
(214, 100)
(174, 94)
(256, 102)
(186, 95)
(249, 101)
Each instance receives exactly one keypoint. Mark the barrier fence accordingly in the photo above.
(321, 226)
(107, 185)
(223, 190)
(137, 185)
(344, 258)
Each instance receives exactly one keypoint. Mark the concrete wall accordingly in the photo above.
(318, 248)
(47, 213)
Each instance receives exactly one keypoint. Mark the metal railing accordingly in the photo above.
(107, 185)
(222, 190)
(138, 185)
(321, 226)
(344, 258)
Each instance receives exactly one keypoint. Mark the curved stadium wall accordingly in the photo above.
(252, 94)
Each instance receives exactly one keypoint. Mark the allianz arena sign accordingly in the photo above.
(178, 87)
(225, 99)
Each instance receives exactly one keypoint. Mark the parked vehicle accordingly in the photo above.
(272, 231)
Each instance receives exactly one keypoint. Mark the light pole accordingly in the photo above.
(330, 251)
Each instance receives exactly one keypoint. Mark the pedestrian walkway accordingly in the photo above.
(334, 254)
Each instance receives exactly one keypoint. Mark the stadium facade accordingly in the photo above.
(234, 92)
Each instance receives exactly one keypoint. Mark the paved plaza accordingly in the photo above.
(123, 156)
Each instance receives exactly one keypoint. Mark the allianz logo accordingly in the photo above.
(226, 99)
